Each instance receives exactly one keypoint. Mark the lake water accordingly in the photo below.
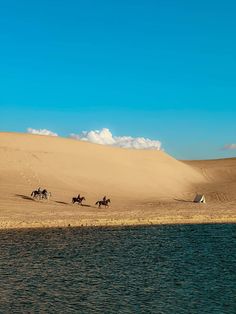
(157, 269)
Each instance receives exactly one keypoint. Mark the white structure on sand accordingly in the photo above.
(199, 198)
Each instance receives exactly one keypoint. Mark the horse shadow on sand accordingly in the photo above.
(28, 198)
(63, 203)
(25, 197)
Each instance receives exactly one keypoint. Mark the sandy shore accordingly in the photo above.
(146, 187)
(54, 214)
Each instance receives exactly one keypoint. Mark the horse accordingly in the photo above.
(46, 195)
(105, 203)
(41, 194)
(78, 200)
(36, 194)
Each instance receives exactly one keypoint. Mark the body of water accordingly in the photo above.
(154, 269)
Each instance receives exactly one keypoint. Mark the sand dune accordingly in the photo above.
(145, 186)
(220, 176)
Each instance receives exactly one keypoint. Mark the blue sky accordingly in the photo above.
(164, 70)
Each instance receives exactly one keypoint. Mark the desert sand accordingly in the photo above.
(145, 187)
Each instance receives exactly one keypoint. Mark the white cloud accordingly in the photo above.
(41, 132)
(230, 146)
(105, 137)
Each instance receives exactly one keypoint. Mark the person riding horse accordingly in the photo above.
(78, 199)
(104, 202)
(41, 194)
(45, 194)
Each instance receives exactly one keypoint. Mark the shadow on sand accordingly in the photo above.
(83, 205)
(181, 200)
(25, 197)
(28, 198)
(63, 203)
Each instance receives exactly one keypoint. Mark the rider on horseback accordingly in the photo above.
(105, 202)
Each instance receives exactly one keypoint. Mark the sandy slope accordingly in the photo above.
(220, 178)
(145, 186)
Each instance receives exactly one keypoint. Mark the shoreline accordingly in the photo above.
(106, 223)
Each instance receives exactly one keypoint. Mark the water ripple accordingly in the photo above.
(158, 269)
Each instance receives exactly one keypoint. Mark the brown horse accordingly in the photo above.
(104, 203)
(78, 200)
(36, 194)
(46, 195)
(41, 194)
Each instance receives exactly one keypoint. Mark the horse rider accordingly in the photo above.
(78, 197)
(104, 199)
(39, 190)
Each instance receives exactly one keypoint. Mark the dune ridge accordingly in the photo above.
(145, 186)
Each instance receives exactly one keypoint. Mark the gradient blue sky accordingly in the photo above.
(165, 70)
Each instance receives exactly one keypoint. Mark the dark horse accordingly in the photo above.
(41, 195)
(105, 203)
(36, 194)
(78, 200)
(45, 194)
